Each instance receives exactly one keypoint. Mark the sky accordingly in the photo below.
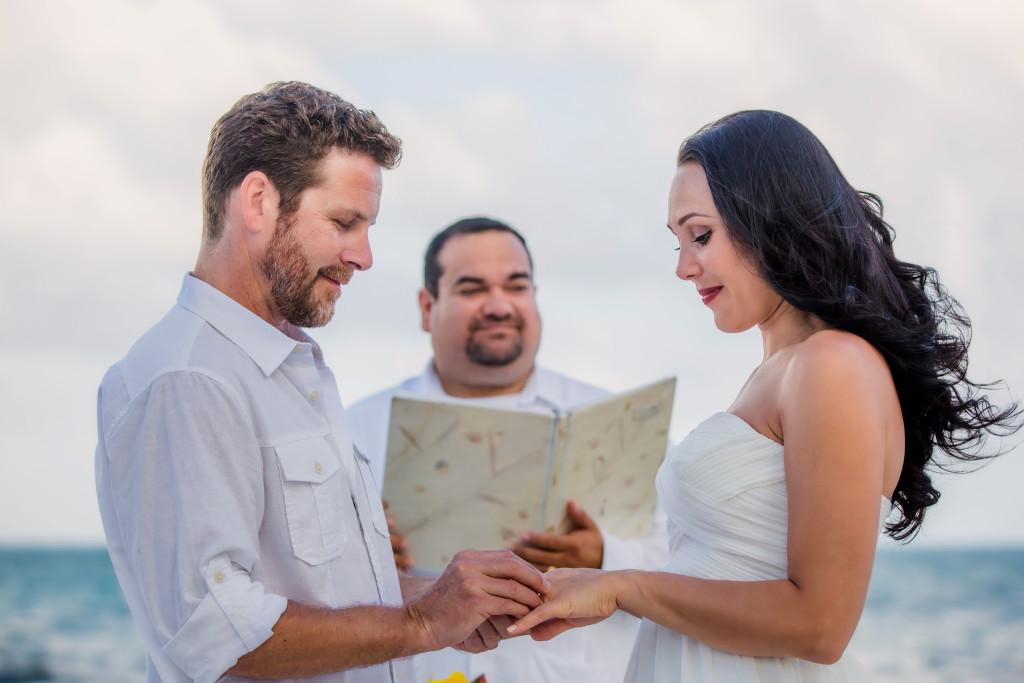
(561, 117)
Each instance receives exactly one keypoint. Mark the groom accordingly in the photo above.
(246, 533)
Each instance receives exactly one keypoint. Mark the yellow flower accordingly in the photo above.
(457, 677)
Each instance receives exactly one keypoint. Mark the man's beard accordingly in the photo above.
(293, 280)
(482, 354)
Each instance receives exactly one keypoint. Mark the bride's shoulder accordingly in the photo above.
(834, 380)
(832, 344)
(834, 356)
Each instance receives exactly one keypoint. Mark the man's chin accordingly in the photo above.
(313, 318)
(492, 357)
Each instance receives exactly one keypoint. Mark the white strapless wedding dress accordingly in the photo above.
(724, 489)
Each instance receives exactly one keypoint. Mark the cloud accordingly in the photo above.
(560, 117)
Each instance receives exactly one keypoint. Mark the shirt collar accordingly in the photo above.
(268, 346)
(538, 388)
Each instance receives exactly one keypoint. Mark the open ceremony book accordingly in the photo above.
(465, 476)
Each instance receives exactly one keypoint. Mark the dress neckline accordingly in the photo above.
(885, 501)
(748, 426)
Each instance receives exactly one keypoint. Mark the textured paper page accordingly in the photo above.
(461, 476)
(613, 450)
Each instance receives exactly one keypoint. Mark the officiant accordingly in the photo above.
(478, 303)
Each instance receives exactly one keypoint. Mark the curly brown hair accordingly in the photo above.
(285, 130)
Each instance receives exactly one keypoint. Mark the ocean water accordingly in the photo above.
(931, 616)
(944, 616)
(63, 618)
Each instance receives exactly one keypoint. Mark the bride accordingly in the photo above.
(775, 506)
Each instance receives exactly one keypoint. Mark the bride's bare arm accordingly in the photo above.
(836, 409)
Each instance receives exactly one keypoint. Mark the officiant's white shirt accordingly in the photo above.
(596, 653)
(227, 483)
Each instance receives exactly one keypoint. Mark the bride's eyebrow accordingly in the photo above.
(688, 216)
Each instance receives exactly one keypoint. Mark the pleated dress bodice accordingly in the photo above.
(724, 490)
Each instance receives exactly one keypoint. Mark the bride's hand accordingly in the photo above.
(578, 597)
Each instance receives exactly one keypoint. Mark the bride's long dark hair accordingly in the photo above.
(824, 247)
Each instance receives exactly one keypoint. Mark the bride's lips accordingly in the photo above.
(708, 293)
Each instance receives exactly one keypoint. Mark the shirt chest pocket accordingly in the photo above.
(371, 494)
(316, 494)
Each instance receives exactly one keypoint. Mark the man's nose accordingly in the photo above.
(357, 253)
(498, 304)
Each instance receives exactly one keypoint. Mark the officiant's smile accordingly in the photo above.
(483, 318)
(496, 337)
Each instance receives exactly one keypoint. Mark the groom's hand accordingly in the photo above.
(456, 609)
(488, 635)
(583, 546)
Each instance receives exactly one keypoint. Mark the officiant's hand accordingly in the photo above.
(583, 546)
(399, 544)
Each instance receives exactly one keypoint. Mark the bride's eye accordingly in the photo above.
(703, 239)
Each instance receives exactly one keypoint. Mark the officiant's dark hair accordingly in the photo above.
(824, 248)
(466, 226)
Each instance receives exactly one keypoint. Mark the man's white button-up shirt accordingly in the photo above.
(228, 484)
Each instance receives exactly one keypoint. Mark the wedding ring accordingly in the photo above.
(552, 566)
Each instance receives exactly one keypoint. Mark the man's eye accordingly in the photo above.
(703, 239)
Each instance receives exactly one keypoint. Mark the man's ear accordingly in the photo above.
(427, 302)
(260, 203)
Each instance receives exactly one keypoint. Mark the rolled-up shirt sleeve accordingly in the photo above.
(185, 476)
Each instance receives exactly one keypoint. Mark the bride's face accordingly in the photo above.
(726, 279)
